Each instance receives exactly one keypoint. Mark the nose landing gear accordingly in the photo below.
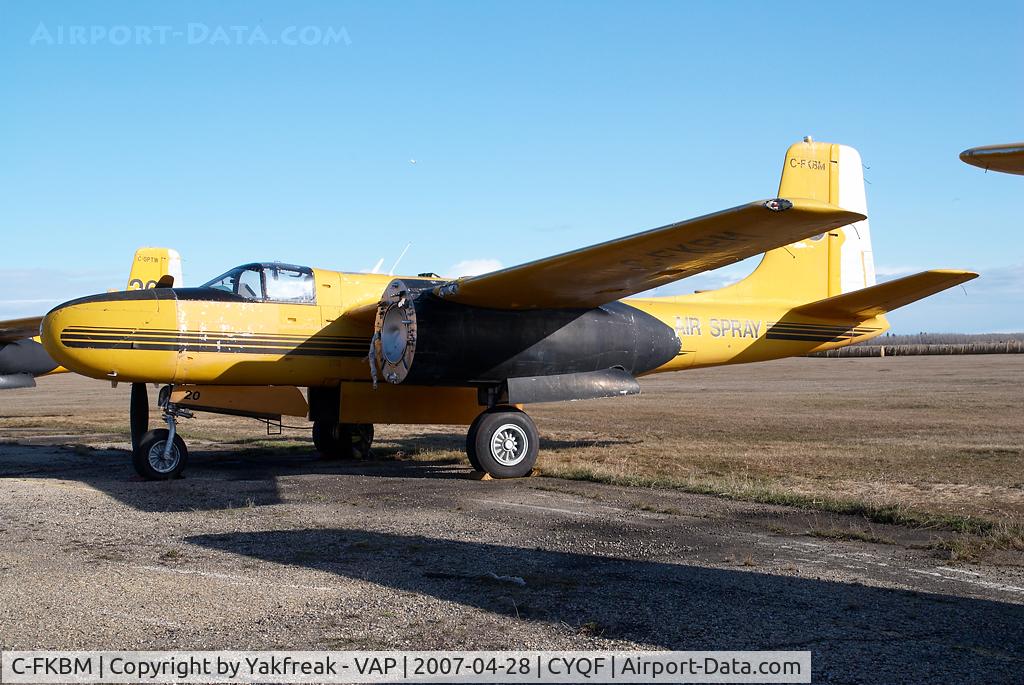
(161, 454)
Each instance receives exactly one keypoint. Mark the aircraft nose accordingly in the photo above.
(103, 336)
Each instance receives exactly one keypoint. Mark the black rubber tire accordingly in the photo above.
(359, 440)
(518, 426)
(155, 439)
(327, 439)
(471, 443)
(138, 413)
(343, 440)
(471, 434)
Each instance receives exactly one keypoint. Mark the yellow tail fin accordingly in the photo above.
(155, 267)
(825, 265)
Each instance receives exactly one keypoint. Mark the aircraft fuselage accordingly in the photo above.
(204, 336)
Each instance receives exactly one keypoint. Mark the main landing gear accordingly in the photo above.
(503, 443)
(161, 454)
(335, 440)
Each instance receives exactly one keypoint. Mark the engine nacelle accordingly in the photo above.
(25, 356)
(422, 339)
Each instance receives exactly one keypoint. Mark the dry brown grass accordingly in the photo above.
(938, 435)
(925, 441)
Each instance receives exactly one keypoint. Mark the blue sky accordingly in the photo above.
(241, 131)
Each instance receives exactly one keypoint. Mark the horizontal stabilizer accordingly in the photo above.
(884, 297)
(609, 271)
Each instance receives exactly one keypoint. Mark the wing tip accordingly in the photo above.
(967, 275)
(811, 206)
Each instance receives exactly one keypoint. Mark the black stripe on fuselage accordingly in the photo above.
(814, 325)
(819, 329)
(217, 342)
(808, 338)
(300, 350)
(194, 343)
(205, 335)
(814, 332)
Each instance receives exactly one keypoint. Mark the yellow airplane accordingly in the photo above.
(472, 351)
(1007, 158)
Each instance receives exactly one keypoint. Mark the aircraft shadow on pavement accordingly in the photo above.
(857, 633)
(231, 478)
(213, 480)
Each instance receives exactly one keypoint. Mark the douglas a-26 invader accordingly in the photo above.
(472, 351)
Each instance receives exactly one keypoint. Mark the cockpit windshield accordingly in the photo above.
(268, 283)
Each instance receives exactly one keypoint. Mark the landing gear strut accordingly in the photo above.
(335, 440)
(161, 454)
(503, 442)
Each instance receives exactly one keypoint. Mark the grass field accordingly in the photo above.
(925, 441)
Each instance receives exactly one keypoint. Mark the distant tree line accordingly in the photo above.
(889, 345)
(944, 338)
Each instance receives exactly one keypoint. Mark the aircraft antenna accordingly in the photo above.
(395, 265)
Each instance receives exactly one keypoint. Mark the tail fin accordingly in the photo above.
(829, 264)
(154, 267)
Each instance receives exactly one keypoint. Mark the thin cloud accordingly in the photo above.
(473, 267)
(884, 271)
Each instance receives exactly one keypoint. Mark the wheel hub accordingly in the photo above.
(509, 445)
(157, 460)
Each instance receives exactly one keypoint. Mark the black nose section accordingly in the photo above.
(120, 296)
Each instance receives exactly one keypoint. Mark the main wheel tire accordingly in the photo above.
(343, 440)
(471, 443)
(359, 437)
(148, 457)
(506, 443)
(327, 439)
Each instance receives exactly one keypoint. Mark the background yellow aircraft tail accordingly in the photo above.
(826, 265)
(155, 267)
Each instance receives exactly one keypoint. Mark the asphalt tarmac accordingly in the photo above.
(255, 551)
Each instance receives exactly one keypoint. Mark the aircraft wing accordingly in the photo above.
(618, 268)
(884, 297)
(1008, 158)
(17, 329)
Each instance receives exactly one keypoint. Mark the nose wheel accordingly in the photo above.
(161, 454)
(503, 442)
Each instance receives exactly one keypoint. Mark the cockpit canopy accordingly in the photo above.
(268, 282)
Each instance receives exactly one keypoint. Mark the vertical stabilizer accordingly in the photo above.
(824, 265)
(155, 266)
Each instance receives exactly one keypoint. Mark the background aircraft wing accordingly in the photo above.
(885, 297)
(618, 268)
(17, 329)
(1008, 158)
